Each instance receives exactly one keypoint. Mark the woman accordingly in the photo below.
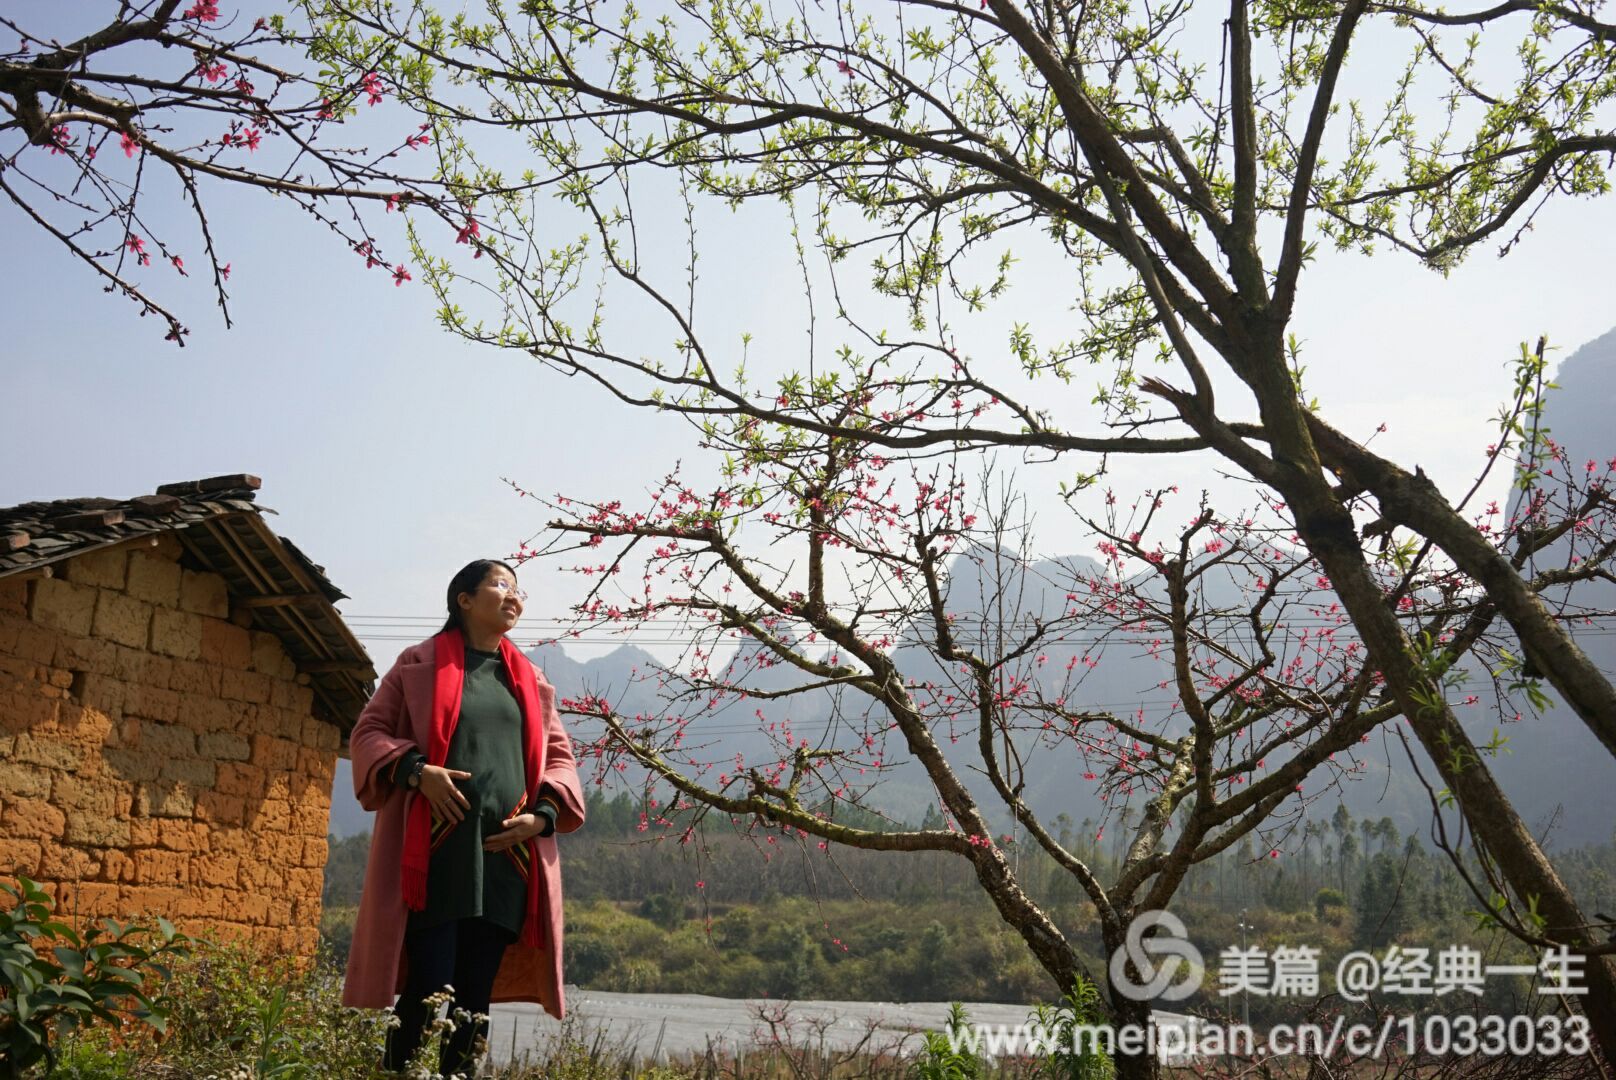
(462, 755)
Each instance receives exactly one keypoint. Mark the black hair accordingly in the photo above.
(469, 580)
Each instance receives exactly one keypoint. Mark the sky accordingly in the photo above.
(385, 444)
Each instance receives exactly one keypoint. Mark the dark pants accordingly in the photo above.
(464, 954)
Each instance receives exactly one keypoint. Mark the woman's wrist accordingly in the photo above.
(406, 771)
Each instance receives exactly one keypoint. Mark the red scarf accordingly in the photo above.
(449, 676)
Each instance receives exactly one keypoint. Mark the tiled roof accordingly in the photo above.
(223, 530)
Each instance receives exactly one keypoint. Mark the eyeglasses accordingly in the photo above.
(508, 587)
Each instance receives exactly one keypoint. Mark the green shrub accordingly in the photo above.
(939, 1061)
(54, 980)
(1064, 1058)
(236, 1006)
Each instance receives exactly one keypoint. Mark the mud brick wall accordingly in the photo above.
(155, 755)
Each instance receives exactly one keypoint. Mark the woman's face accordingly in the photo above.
(496, 605)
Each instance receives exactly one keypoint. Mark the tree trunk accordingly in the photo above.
(1127, 1012)
(1414, 501)
(1328, 531)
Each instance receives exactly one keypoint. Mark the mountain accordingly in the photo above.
(1554, 770)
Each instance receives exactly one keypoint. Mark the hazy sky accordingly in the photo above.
(382, 441)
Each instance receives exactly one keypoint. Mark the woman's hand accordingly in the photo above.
(518, 830)
(438, 787)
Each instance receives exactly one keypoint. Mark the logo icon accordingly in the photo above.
(1159, 983)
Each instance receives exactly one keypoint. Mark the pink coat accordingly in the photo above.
(398, 718)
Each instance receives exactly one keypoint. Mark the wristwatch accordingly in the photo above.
(414, 779)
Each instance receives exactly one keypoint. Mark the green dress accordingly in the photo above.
(463, 880)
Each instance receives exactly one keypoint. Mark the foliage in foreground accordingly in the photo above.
(55, 979)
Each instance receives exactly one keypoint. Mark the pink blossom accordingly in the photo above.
(251, 137)
(224, 271)
(372, 85)
(400, 275)
(213, 72)
(468, 232)
(203, 11)
(129, 143)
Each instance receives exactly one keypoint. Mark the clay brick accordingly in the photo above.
(116, 864)
(168, 741)
(143, 832)
(253, 909)
(87, 728)
(32, 819)
(177, 634)
(84, 797)
(197, 905)
(205, 594)
(122, 619)
(275, 755)
(144, 900)
(304, 883)
(19, 781)
(17, 669)
(176, 835)
(51, 753)
(274, 816)
(140, 667)
(100, 692)
(269, 656)
(226, 645)
(164, 799)
(90, 900)
(311, 817)
(280, 911)
(19, 856)
(230, 842)
(67, 862)
(224, 746)
(98, 830)
(152, 703)
(13, 596)
(207, 714)
(160, 867)
(103, 569)
(321, 736)
(244, 686)
(192, 771)
(219, 871)
(317, 767)
(87, 655)
(191, 677)
(28, 709)
(315, 852)
(131, 764)
(61, 605)
(154, 579)
(217, 809)
(37, 643)
(241, 779)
